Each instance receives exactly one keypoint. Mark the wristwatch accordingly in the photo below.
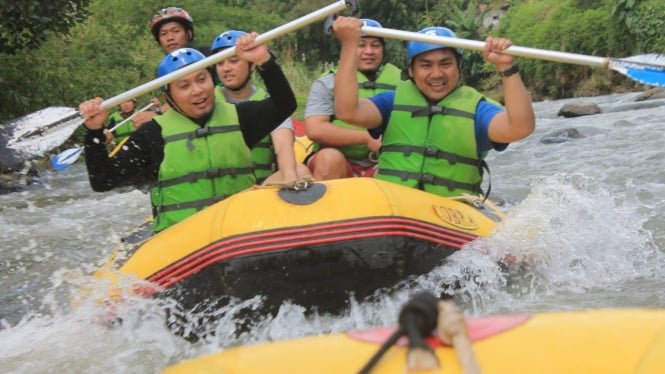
(510, 71)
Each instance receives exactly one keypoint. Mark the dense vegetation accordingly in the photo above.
(73, 50)
(23, 24)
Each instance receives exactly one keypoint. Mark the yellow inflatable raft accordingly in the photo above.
(591, 341)
(313, 245)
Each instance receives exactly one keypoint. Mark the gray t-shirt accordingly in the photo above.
(287, 124)
(321, 101)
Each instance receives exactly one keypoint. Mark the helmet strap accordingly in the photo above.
(169, 100)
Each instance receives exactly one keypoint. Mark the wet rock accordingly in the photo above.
(578, 109)
(14, 183)
(19, 181)
(560, 136)
(654, 93)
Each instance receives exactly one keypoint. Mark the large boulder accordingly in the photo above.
(578, 109)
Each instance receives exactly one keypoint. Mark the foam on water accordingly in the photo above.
(585, 216)
(576, 238)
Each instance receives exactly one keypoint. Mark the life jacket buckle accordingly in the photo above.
(431, 152)
(203, 131)
(427, 178)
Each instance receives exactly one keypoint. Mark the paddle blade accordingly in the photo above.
(648, 69)
(33, 135)
(65, 158)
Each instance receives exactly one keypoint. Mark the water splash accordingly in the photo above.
(573, 237)
(72, 327)
(555, 230)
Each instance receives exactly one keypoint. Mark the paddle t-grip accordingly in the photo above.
(327, 24)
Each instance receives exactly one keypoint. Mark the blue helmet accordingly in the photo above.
(415, 48)
(176, 60)
(226, 39)
(371, 23)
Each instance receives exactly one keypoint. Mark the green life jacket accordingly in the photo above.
(433, 147)
(123, 131)
(263, 153)
(387, 79)
(201, 166)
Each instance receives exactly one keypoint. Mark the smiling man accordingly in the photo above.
(436, 132)
(172, 28)
(343, 150)
(196, 153)
(273, 156)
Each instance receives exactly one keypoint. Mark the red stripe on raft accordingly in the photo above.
(183, 272)
(310, 235)
(308, 239)
(479, 328)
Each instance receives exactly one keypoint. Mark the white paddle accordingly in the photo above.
(648, 69)
(20, 146)
(69, 156)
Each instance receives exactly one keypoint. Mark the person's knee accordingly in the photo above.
(329, 163)
(329, 156)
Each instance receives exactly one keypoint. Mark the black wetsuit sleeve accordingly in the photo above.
(258, 118)
(136, 163)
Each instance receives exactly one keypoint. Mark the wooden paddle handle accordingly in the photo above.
(452, 330)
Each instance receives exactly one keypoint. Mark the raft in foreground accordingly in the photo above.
(312, 246)
(592, 341)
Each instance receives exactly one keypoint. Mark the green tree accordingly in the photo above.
(113, 50)
(561, 26)
(25, 23)
(642, 23)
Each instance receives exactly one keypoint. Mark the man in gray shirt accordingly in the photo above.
(341, 149)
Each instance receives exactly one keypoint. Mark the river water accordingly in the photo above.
(588, 214)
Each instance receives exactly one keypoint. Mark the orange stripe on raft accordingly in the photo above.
(199, 260)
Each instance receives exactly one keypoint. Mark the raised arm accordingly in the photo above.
(518, 121)
(348, 107)
(258, 118)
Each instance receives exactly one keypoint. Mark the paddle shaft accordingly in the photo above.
(150, 105)
(229, 52)
(541, 54)
(118, 147)
(208, 61)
